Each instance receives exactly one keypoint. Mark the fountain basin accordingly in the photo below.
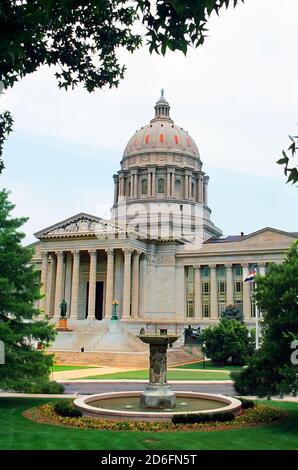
(125, 406)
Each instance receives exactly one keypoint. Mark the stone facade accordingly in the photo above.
(168, 266)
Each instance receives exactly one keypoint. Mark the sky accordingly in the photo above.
(237, 95)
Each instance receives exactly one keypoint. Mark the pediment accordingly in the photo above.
(269, 236)
(81, 225)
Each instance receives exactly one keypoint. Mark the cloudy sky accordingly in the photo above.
(237, 95)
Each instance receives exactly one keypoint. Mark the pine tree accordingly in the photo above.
(25, 368)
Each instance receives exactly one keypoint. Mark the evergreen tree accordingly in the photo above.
(272, 369)
(25, 368)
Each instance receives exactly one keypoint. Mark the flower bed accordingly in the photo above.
(259, 415)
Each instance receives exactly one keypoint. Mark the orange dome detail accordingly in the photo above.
(176, 138)
(147, 139)
(161, 138)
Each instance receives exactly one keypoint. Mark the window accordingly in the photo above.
(221, 286)
(190, 313)
(221, 271)
(238, 270)
(205, 271)
(177, 188)
(192, 189)
(144, 187)
(161, 185)
(129, 189)
(205, 288)
(238, 286)
(253, 309)
(221, 307)
(206, 311)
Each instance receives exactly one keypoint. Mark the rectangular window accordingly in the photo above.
(205, 271)
(206, 311)
(221, 287)
(221, 270)
(190, 313)
(238, 286)
(238, 270)
(205, 288)
(253, 309)
(221, 307)
(189, 281)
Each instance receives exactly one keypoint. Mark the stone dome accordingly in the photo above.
(161, 134)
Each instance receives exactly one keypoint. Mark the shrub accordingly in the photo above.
(246, 403)
(43, 386)
(65, 408)
(202, 418)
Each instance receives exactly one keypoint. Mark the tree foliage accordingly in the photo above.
(291, 172)
(229, 340)
(271, 370)
(82, 38)
(232, 313)
(20, 328)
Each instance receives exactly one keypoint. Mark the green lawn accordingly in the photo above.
(172, 375)
(58, 368)
(208, 366)
(18, 433)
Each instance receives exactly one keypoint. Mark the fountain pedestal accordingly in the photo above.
(158, 393)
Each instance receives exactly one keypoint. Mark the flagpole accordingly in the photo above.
(257, 326)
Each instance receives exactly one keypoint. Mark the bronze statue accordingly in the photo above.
(63, 308)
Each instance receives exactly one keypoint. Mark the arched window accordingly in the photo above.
(144, 186)
(177, 188)
(161, 185)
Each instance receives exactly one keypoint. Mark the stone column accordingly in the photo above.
(153, 182)
(230, 285)
(246, 295)
(50, 304)
(201, 190)
(109, 283)
(213, 293)
(131, 186)
(59, 283)
(74, 314)
(186, 186)
(172, 183)
(68, 276)
(198, 292)
(121, 188)
(206, 179)
(169, 175)
(43, 280)
(127, 283)
(116, 189)
(136, 186)
(135, 284)
(189, 186)
(149, 190)
(92, 285)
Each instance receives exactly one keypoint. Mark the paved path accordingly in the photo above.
(102, 386)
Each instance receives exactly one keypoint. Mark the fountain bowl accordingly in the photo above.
(218, 404)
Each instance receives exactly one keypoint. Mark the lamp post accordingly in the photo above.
(115, 304)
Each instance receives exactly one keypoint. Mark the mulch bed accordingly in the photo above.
(45, 414)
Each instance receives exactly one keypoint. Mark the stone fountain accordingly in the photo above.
(158, 393)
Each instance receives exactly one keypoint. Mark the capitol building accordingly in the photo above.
(160, 255)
